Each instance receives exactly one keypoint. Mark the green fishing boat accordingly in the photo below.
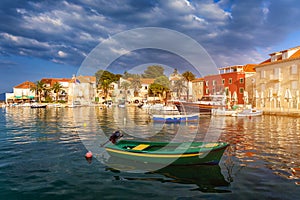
(186, 153)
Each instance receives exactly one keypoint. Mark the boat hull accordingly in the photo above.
(249, 113)
(221, 112)
(175, 118)
(170, 154)
(38, 106)
(191, 107)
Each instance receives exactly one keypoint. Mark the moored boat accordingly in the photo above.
(184, 153)
(223, 112)
(249, 113)
(175, 118)
(38, 106)
(203, 106)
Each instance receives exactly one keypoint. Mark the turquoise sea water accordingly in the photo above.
(42, 156)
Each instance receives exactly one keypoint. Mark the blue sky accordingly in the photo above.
(52, 38)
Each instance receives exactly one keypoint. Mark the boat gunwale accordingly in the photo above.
(185, 151)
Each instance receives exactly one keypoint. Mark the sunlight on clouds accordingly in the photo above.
(21, 11)
(180, 4)
(62, 54)
(10, 37)
(21, 41)
(121, 51)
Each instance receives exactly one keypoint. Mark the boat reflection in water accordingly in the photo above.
(207, 178)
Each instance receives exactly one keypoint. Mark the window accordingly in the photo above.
(294, 69)
(276, 72)
(285, 55)
(214, 82)
(230, 81)
(207, 91)
(241, 80)
(241, 90)
(223, 81)
(206, 83)
(263, 87)
(146, 87)
(276, 86)
(227, 91)
(263, 74)
(294, 85)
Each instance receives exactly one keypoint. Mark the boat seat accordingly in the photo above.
(141, 147)
(210, 145)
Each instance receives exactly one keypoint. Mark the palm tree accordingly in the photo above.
(179, 87)
(125, 86)
(105, 86)
(33, 88)
(136, 84)
(57, 87)
(38, 88)
(189, 76)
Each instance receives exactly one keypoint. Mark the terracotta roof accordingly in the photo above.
(249, 67)
(294, 56)
(83, 79)
(25, 85)
(52, 81)
(197, 80)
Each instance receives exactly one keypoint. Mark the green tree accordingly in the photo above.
(104, 79)
(155, 89)
(161, 87)
(188, 76)
(179, 87)
(38, 88)
(129, 75)
(153, 71)
(125, 86)
(46, 95)
(57, 87)
(164, 81)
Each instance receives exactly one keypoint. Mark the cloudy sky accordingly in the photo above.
(53, 38)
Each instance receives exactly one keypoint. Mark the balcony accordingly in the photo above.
(293, 77)
(275, 77)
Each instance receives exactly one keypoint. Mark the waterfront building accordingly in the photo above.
(277, 80)
(82, 90)
(235, 81)
(179, 87)
(128, 92)
(49, 83)
(23, 93)
(198, 86)
(145, 82)
(6, 97)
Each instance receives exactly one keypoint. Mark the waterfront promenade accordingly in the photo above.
(291, 112)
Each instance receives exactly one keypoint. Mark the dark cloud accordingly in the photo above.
(66, 31)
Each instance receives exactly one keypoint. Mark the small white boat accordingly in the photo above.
(175, 118)
(222, 112)
(249, 113)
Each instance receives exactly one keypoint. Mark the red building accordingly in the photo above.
(233, 81)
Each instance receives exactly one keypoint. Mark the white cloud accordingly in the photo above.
(121, 51)
(22, 41)
(180, 5)
(62, 54)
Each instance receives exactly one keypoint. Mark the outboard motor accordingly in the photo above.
(115, 136)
